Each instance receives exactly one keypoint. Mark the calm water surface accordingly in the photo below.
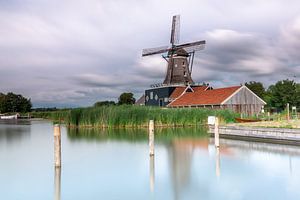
(115, 164)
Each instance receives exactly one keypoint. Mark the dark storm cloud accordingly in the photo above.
(64, 52)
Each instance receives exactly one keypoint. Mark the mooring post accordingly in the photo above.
(151, 137)
(217, 142)
(57, 145)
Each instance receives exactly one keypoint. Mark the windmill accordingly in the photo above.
(180, 57)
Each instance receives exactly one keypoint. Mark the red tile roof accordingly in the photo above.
(207, 97)
(179, 90)
(199, 88)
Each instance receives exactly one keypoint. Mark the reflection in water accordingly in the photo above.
(12, 131)
(249, 146)
(218, 170)
(15, 122)
(181, 145)
(152, 173)
(186, 164)
(57, 183)
(290, 164)
(165, 135)
(179, 141)
(94, 134)
(181, 153)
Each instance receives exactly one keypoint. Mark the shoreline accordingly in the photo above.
(259, 134)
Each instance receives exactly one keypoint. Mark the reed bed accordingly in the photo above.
(135, 116)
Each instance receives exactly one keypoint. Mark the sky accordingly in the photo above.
(69, 53)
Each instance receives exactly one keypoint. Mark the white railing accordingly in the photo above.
(157, 85)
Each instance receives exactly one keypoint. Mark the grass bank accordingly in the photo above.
(134, 116)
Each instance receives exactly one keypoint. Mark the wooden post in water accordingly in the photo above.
(57, 145)
(151, 137)
(217, 142)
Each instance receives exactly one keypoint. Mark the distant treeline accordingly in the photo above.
(134, 116)
(45, 109)
(11, 102)
(278, 95)
(124, 98)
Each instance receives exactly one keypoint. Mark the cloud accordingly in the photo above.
(245, 56)
(63, 52)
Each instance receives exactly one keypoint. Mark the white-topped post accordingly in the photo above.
(217, 139)
(214, 121)
(151, 137)
(57, 145)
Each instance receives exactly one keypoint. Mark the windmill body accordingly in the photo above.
(178, 69)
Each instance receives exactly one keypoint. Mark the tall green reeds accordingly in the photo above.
(135, 116)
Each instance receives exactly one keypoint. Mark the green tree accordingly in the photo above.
(126, 98)
(283, 92)
(2, 96)
(298, 96)
(14, 103)
(104, 103)
(257, 88)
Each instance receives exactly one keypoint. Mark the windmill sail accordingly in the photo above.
(192, 46)
(157, 50)
(175, 30)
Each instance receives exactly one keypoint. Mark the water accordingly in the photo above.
(115, 164)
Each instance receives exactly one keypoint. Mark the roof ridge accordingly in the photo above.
(237, 86)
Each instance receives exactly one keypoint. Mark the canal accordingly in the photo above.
(115, 164)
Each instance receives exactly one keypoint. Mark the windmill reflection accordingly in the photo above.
(181, 153)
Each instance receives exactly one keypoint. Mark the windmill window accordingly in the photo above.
(183, 63)
(156, 97)
(151, 95)
(184, 74)
(175, 65)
